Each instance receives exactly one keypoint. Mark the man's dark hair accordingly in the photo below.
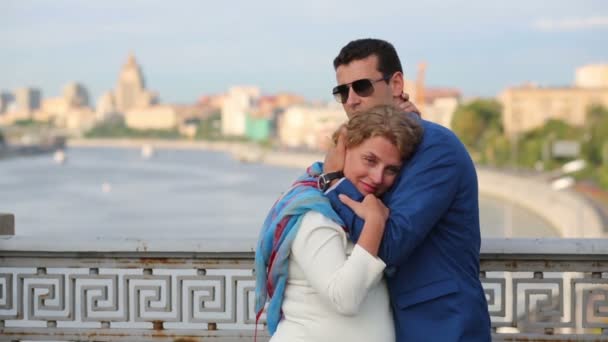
(388, 61)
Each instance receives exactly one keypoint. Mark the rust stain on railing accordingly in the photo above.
(157, 325)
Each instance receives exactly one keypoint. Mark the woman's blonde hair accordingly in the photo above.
(401, 129)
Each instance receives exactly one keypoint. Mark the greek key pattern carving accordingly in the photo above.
(180, 298)
(535, 302)
(223, 299)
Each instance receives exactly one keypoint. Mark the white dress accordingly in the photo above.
(335, 292)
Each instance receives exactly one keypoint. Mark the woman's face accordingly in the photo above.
(373, 166)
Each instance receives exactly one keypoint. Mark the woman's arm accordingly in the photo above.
(320, 250)
(374, 215)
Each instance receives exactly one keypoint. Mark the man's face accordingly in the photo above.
(366, 68)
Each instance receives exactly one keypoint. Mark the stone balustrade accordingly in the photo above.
(203, 290)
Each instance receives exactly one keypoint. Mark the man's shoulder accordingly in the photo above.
(439, 137)
(440, 146)
(434, 131)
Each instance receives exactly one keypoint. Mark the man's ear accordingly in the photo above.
(396, 83)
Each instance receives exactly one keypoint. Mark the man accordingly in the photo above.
(432, 238)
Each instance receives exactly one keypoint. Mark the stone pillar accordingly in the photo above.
(7, 224)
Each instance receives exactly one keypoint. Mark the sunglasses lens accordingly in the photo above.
(363, 88)
(340, 98)
(341, 93)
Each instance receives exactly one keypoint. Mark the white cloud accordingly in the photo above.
(572, 24)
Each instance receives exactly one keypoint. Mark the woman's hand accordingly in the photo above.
(375, 214)
(403, 102)
(371, 208)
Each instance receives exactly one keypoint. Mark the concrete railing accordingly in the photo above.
(190, 290)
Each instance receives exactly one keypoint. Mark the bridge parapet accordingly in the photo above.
(191, 290)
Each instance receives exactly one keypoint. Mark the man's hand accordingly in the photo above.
(403, 102)
(371, 208)
(334, 159)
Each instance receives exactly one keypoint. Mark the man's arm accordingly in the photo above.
(424, 192)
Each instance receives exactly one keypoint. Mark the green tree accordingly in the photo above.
(25, 123)
(108, 129)
(210, 127)
(595, 148)
(467, 126)
(496, 149)
(475, 119)
(530, 151)
(535, 146)
(596, 135)
(118, 129)
(479, 126)
(602, 176)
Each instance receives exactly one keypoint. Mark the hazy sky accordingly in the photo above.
(191, 48)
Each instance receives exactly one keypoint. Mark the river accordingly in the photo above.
(103, 192)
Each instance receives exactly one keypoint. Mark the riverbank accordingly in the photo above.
(567, 211)
(224, 146)
(23, 150)
(245, 152)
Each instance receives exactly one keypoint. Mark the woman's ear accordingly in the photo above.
(397, 83)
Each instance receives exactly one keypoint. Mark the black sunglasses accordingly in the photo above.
(363, 87)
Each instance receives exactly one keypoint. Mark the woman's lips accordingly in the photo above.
(368, 188)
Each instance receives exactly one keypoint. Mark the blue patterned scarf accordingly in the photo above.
(276, 237)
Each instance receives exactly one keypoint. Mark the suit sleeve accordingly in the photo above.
(344, 281)
(423, 193)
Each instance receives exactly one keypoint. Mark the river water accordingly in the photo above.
(114, 192)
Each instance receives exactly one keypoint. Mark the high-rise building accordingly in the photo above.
(6, 99)
(592, 76)
(65, 109)
(28, 99)
(161, 117)
(529, 106)
(76, 95)
(440, 105)
(235, 108)
(106, 106)
(310, 126)
(53, 109)
(131, 91)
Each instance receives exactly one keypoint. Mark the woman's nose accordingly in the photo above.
(376, 175)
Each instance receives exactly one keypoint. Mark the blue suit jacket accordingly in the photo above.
(431, 242)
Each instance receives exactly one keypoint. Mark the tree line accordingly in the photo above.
(479, 125)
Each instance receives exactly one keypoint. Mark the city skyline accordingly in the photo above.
(196, 49)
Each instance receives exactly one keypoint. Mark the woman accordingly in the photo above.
(321, 286)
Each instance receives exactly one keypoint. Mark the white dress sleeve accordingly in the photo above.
(320, 250)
